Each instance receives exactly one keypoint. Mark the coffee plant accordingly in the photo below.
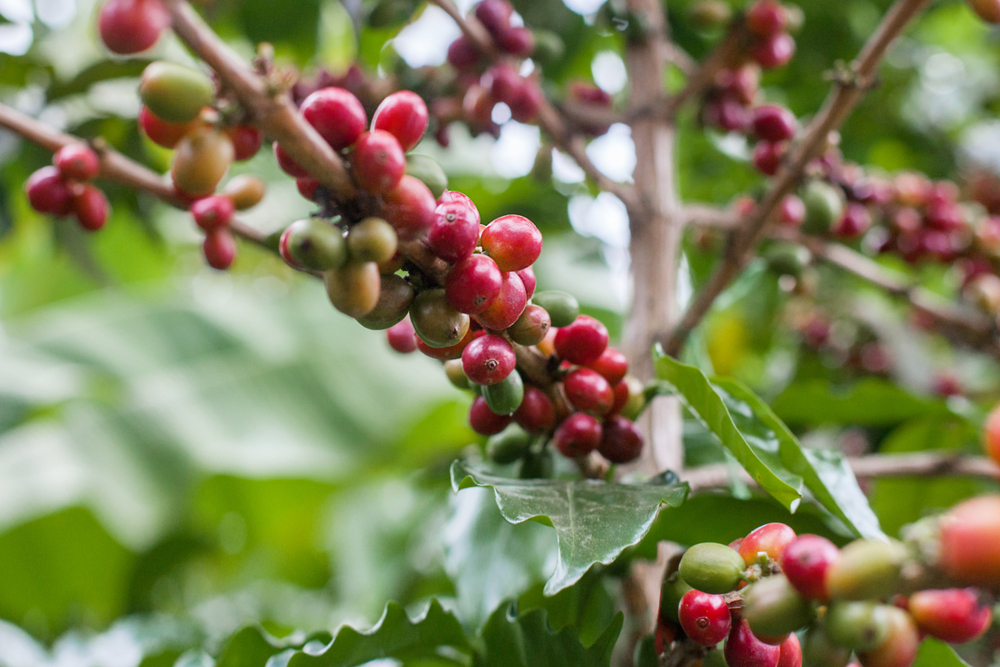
(844, 262)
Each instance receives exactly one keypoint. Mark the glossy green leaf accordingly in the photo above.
(594, 521)
(935, 653)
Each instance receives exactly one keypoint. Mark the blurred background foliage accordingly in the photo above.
(183, 452)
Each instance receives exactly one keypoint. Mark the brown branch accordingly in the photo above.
(842, 100)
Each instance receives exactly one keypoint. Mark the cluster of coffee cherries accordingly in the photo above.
(872, 599)
(63, 188)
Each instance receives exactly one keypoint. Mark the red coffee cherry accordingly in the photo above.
(525, 106)
(213, 212)
(766, 18)
(621, 396)
(403, 115)
(531, 327)
(745, 650)
(704, 617)
(473, 284)
(505, 310)
(582, 342)
(774, 123)
(287, 164)
(454, 234)
(854, 222)
(77, 161)
(792, 212)
(529, 281)
(247, 141)
(307, 187)
(791, 652)
(503, 82)
(588, 391)
(536, 413)
(454, 197)
(409, 208)
(161, 132)
(494, 15)
(488, 360)
(991, 435)
(447, 353)
(513, 242)
(484, 421)
(219, 248)
(970, 542)
(48, 192)
(727, 114)
(774, 51)
(741, 84)
(517, 41)
(402, 337)
(132, 26)
(612, 364)
(621, 441)
(767, 542)
(578, 435)
(767, 157)
(91, 208)
(337, 115)
(953, 615)
(806, 561)
(463, 54)
(378, 162)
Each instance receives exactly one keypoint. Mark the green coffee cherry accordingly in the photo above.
(859, 626)
(372, 240)
(819, 651)
(824, 206)
(394, 301)
(509, 445)
(391, 13)
(316, 244)
(456, 374)
(436, 322)
(175, 93)
(563, 309)
(427, 171)
(673, 589)
(538, 465)
(712, 568)
(787, 259)
(549, 46)
(773, 607)
(867, 570)
(505, 396)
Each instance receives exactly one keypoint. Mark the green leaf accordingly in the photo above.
(935, 653)
(527, 640)
(869, 402)
(394, 636)
(250, 647)
(594, 521)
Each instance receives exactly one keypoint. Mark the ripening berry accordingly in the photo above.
(313, 243)
(745, 650)
(588, 391)
(854, 222)
(578, 435)
(987, 10)
(473, 284)
(488, 360)
(529, 281)
(766, 18)
(402, 114)
(437, 323)
(954, 615)
(402, 337)
(767, 157)
(899, 648)
(531, 327)
(612, 364)
(394, 300)
(372, 240)
(336, 114)
(484, 421)
(354, 288)
(513, 242)
(970, 542)
(452, 352)
(162, 133)
(247, 141)
(91, 208)
(806, 561)
(494, 15)
(219, 248)
(704, 617)
(454, 234)
(505, 310)
(287, 164)
(774, 123)
(991, 435)
(132, 26)
(48, 192)
(409, 208)
(774, 51)
(378, 162)
(792, 212)
(213, 212)
(766, 543)
(773, 608)
(582, 342)
(246, 191)
(201, 161)
(174, 92)
(536, 413)
(867, 569)
(78, 162)
(621, 441)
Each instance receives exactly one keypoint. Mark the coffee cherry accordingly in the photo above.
(503, 82)
(582, 342)
(484, 421)
(427, 171)
(622, 441)
(219, 249)
(308, 187)
(313, 243)
(287, 164)
(867, 569)
(473, 284)
(48, 192)
(525, 106)
(452, 351)
(456, 375)
(463, 54)
(766, 543)
(488, 360)
(372, 240)
(77, 162)
(453, 197)
(176, 93)
(513, 242)
(806, 562)
(478, 106)
(588, 391)
(393, 264)
(792, 212)
(745, 650)
(354, 288)
(437, 323)
(774, 123)
(704, 617)
(824, 206)
(454, 234)
(766, 18)
(402, 337)
(562, 308)
(409, 208)
(529, 281)
(403, 115)
(508, 446)
(517, 41)
(162, 133)
(539, 465)
(336, 114)
(861, 626)
(953, 615)
(991, 435)
(899, 649)
(672, 590)
(987, 10)
(378, 162)
(791, 652)
(774, 51)
(531, 327)
(767, 157)
(712, 568)
(132, 26)
(773, 608)
(970, 541)
(247, 141)
(494, 15)
(91, 208)
(212, 212)
(578, 435)
(203, 156)
(246, 191)
(612, 365)
(505, 310)
(854, 222)
(394, 300)
(819, 650)
(536, 413)
(504, 397)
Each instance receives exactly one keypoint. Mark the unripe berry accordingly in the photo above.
(953, 615)
(672, 591)
(48, 192)
(806, 562)
(513, 242)
(899, 649)
(337, 115)
(132, 26)
(791, 652)
(77, 162)
(372, 240)
(313, 243)
(712, 568)
(529, 281)
(970, 542)
(473, 284)
(531, 327)
(91, 208)
(774, 51)
(818, 650)
(378, 162)
(456, 375)
(582, 342)
(287, 164)
(505, 310)
(403, 115)
(588, 391)
(578, 435)
(201, 161)
(767, 157)
(402, 337)
(219, 249)
(247, 141)
(766, 543)
(437, 323)
(394, 299)
(409, 208)
(704, 617)
(612, 365)
(176, 93)
(860, 626)
(536, 413)
(508, 446)
(213, 212)
(246, 191)
(774, 123)
(484, 421)
(622, 440)
(563, 308)
(766, 18)
(745, 650)
(488, 360)
(773, 608)
(506, 396)
(162, 133)
(454, 234)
